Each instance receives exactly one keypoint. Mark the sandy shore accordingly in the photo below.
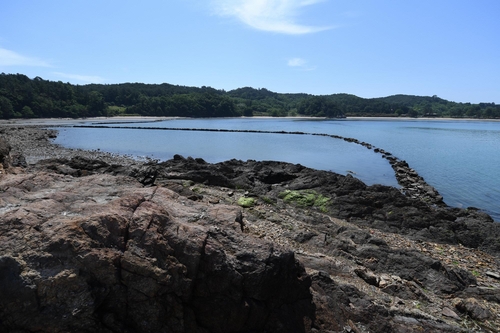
(72, 121)
(109, 120)
(33, 143)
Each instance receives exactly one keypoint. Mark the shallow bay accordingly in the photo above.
(459, 158)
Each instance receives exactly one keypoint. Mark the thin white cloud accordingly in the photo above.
(268, 15)
(11, 58)
(81, 78)
(296, 62)
(300, 64)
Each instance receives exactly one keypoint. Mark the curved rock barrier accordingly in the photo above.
(412, 184)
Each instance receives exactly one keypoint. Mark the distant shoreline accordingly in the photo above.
(422, 118)
(132, 119)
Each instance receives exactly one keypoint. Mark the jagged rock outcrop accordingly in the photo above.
(211, 214)
(102, 253)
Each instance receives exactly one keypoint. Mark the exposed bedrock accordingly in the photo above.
(104, 254)
(377, 206)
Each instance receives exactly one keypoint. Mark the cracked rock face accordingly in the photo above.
(102, 253)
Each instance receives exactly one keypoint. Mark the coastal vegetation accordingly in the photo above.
(22, 97)
(306, 198)
(246, 202)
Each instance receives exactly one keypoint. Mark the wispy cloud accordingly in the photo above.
(296, 62)
(300, 63)
(11, 58)
(269, 15)
(81, 78)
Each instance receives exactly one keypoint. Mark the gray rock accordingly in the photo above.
(472, 308)
(493, 275)
(447, 312)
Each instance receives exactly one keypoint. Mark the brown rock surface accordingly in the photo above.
(103, 253)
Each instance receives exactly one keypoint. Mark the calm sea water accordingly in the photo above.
(461, 159)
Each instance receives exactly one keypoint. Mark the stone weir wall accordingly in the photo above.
(412, 184)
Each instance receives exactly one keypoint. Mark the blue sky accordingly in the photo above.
(449, 48)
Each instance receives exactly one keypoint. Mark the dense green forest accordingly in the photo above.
(22, 97)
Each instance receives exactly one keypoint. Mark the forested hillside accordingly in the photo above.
(22, 97)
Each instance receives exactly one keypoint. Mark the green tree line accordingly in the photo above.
(22, 97)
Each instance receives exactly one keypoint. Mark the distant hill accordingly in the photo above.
(22, 97)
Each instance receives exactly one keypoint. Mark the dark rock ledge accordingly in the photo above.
(92, 242)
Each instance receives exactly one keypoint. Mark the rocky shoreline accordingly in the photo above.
(411, 183)
(95, 242)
